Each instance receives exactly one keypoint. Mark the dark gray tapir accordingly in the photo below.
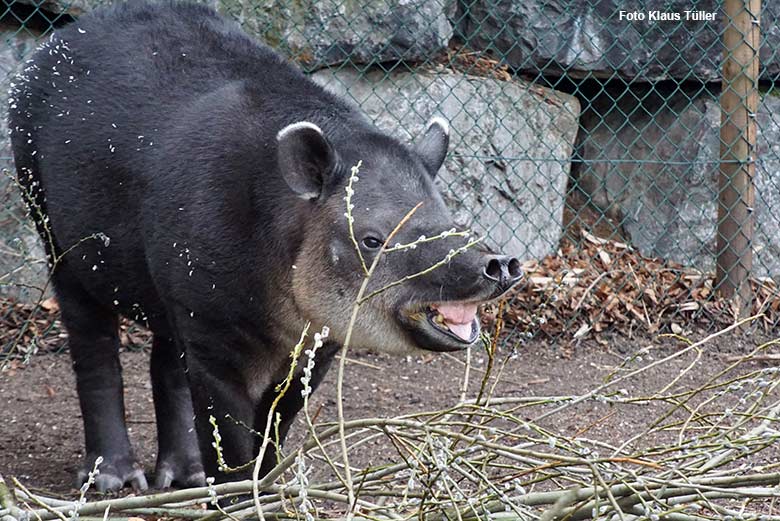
(213, 176)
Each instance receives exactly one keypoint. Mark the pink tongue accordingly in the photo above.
(458, 318)
(462, 330)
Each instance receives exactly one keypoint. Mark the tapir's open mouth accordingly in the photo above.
(448, 325)
(443, 326)
(459, 320)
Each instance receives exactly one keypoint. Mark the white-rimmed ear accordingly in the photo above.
(305, 158)
(432, 146)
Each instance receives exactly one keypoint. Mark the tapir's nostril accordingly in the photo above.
(515, 271)
(504, 270)
(493, 270)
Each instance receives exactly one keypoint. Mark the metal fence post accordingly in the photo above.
(739, 103)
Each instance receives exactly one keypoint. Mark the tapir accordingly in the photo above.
(186, 176)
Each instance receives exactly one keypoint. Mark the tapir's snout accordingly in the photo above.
(452, 322)
(504, 270)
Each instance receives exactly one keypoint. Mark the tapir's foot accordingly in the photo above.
(116, 473)
(180, 471)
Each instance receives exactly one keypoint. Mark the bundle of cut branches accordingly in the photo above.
(705, 451)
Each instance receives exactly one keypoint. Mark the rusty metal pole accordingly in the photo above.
(739, 103)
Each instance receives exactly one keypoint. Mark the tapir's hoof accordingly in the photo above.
(115, 474)
(185, 476)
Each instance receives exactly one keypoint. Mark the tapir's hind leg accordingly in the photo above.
(94, 348)
(178, 459)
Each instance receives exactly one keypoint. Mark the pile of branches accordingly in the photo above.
(698, 457)
(598, 285)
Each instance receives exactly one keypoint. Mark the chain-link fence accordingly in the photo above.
(590, 137)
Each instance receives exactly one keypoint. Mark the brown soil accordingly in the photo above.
(41, 435)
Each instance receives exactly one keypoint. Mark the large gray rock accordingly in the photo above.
(511, 144)
(22, 264)
(326, 32)
(587, 38)
(656, 171)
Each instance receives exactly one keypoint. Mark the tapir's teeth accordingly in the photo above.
(439, 318)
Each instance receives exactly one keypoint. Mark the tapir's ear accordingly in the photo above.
(305, 158)
(432, 146)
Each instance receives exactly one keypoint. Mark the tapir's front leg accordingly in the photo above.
(218, 393)
(289, 405)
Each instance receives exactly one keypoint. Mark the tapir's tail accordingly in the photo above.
(29, 181)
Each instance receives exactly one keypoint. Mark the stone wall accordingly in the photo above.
(587, 38)
(651, 163)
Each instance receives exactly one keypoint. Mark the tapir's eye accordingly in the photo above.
(372, 243)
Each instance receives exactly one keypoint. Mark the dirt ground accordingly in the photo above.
(41, 436)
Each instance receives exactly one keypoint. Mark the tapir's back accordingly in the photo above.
(98, 92)
(97, 105)
(98, 108)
